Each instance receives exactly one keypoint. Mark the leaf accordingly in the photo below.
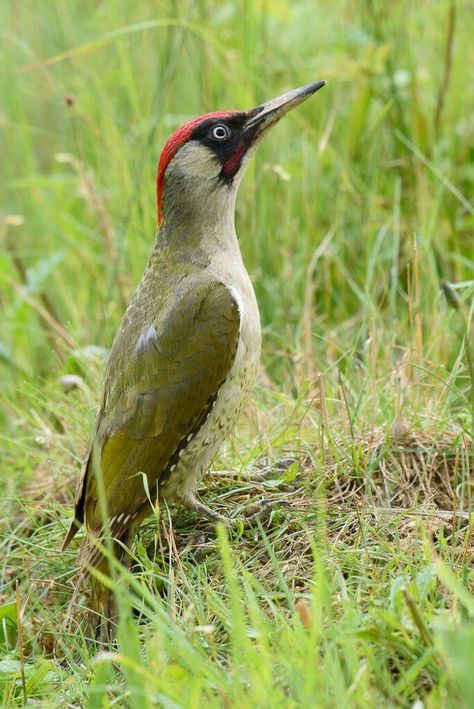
(8, 610)
(9, 667)
(8, 620)
(39, 672)
(291, 473)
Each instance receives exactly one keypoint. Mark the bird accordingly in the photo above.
(185, 357)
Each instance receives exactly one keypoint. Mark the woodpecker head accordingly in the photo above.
(203, 162)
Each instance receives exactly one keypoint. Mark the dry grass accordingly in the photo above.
(404, 485)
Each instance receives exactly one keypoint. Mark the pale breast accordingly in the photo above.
(227, 407)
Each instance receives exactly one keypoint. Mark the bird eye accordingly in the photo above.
(220, 132)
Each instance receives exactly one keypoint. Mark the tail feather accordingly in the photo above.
(102, 613)
(102, 607)
(71, 533)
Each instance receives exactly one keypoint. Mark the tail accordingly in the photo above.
(102, 607)
(101, 613)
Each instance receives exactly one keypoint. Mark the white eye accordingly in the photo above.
(220, 132)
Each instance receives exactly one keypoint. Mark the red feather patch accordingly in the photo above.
(232, 163)
(170, 149)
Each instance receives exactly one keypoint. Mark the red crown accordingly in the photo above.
(170, 149)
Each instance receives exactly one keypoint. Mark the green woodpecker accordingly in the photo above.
(185, 357)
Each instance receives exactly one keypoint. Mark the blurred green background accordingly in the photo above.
(353, 215)
(376, 167)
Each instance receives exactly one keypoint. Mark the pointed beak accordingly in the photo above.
(269, 113)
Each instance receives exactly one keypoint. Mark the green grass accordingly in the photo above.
(357, 591)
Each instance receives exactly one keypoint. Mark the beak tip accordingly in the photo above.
(312, 88)
(270, 112)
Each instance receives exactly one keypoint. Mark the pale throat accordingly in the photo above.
(197, 206)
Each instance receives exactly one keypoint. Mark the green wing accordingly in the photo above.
(160, 387)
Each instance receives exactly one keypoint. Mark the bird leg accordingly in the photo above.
(192, 503)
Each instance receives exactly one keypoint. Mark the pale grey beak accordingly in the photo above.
(269, 113)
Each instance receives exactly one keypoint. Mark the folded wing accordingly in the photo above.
(157, 395)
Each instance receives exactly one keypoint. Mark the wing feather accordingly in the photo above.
(156, 396)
